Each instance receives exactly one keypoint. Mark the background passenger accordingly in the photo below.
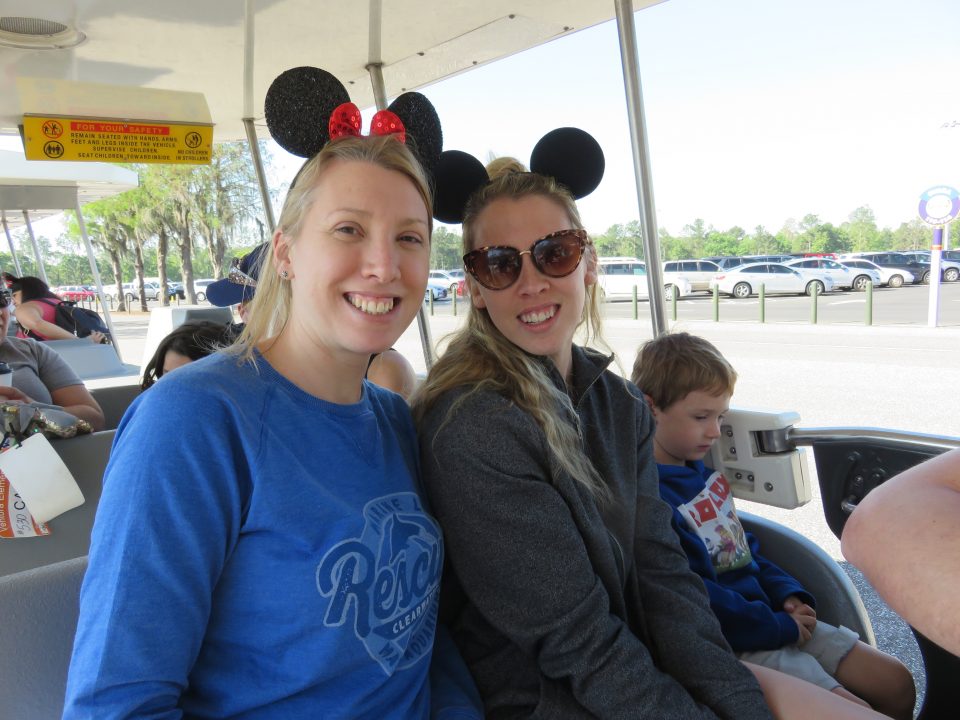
(41, 375)
(765, 614)
(188, 342)
(239, 287)
(569, 593)
(272, 558)
(36, 310)
(393, 371)
(905, 537)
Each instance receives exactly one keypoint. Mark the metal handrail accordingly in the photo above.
(808, 436)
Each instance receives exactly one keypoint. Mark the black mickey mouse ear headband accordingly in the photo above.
(306, 107)
(569, 155)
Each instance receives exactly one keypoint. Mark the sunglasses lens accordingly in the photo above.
(558, 256)
(495, 268)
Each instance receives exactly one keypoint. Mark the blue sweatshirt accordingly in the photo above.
(746, 591)
(261, 553)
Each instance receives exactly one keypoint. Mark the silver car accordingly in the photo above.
(745, 280)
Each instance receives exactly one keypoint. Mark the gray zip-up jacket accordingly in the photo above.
(563, 607)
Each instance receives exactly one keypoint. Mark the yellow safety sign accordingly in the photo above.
(127, 141)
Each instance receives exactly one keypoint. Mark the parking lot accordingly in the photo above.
(907, 305)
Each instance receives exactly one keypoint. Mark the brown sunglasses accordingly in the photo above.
(555, 255)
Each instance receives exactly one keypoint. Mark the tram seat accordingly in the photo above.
(90, 361)
(838, 602)
(86, 457)
(114, 402)
(40, 610)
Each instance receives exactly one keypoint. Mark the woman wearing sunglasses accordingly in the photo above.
(567, 590)
(261, 549)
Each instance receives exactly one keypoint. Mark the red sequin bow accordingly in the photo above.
(345, 121)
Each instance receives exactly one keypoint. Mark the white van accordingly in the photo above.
(619, 275)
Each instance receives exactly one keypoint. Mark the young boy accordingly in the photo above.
(765, 615)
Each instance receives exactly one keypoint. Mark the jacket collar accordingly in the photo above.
(587, 366)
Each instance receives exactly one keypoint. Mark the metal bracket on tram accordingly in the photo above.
(757, 463)
(759, 453)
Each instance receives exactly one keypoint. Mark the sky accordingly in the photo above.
(757, 111)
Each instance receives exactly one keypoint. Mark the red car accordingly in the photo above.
(74, 292)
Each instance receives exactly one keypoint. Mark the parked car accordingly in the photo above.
(744, 281)
(766, 258)
(949, 269)
(864, 272)
(447, 277)
(200, 288)
(698, 273)
(151, 291)
(438, 289)
(920, 271)
(76, 293)
(952, 255)
(840, 274)
(889, 276)
(726, 261)
(618, 275)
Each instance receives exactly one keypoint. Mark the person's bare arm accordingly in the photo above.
(391, 370)
(31, 319)
(905, 538)
(74, 399)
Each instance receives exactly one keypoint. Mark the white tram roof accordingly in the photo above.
(45, 188)
(191, 46)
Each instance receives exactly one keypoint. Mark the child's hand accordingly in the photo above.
(805, 624)
(794, 604)
(803, 615)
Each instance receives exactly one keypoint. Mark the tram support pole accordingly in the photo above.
(13, 252)
(249, 27)
(375, 70)
(95, 271)
(36, 248)
(254, 146)
(630, 63)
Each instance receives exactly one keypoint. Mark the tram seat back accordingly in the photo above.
(91, 361)
(114, 402)
(757, 463)
(838, 602)
(40, 609)
(164, 320)
(86, 457)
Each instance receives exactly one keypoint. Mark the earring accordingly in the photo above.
(284, 275)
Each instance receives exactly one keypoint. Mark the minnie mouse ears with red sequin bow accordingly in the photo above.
(307, 107)
(569, 155)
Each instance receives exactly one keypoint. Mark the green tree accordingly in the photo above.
(913, 235)
(861, 229)
(446, 249)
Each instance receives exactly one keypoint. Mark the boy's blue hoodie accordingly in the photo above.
(746, 591)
